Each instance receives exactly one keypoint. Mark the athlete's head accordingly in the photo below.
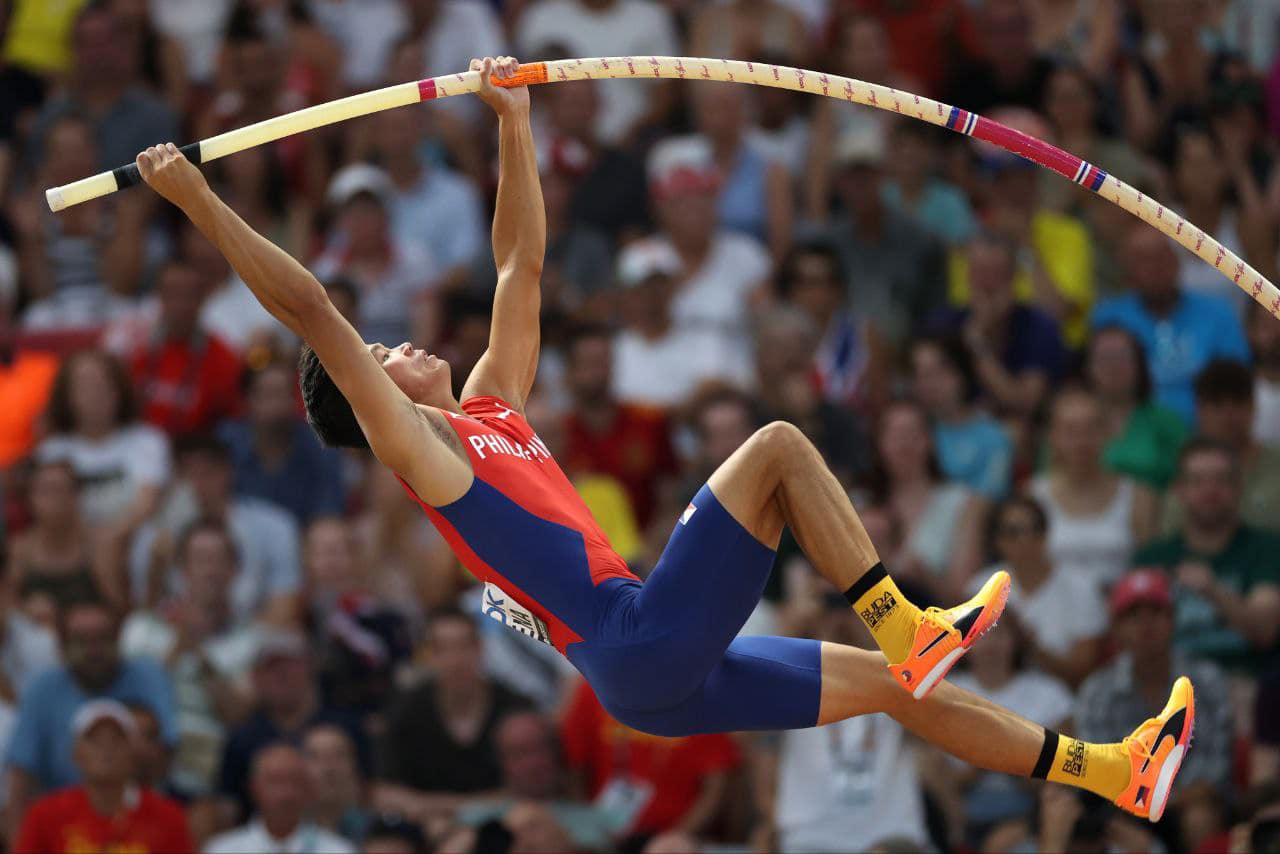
(423, 377)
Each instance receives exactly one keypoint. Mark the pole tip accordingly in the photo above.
(53, 196)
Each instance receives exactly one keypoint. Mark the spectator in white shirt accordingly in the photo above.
(1063, 641)
(394, 276)
(281, 791)
(657, 363)
(122, 463)
(724, 272)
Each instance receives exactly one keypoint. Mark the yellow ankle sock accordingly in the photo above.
(1103, 769)
(890, 616)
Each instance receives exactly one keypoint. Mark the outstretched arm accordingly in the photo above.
(508, 367)
(399, 435)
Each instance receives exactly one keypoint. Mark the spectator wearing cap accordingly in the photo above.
(604, 436)
(268, 574)
(1180, 331)
(1016, 348)
(658, 362)
(1227, 572)
(532, 762)
(205, 649)
(603, 28)
(755, 195)
(288, 706)
(1225, 409)
(1052, 252)
(451, 717)
(107, 811)
(724, 272)
(430, 204)
(895, 268)
(187, 379)
(394, 276)
(40, 754)
(26, 374)
(282, 796)
(1264, 341)
(276, 456)
(1136, 684)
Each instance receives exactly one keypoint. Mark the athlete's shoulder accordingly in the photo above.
(487, 406)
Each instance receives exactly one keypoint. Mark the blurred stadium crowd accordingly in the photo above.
(217, 634)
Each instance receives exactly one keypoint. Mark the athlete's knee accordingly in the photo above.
(781, 441)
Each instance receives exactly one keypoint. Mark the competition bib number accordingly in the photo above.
(501, 607)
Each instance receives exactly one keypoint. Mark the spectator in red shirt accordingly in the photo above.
(604, 436)
(108, 812)
(187, 379)
(668, 783)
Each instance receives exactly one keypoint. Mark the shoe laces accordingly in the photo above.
(938, 617)
(1134, 745)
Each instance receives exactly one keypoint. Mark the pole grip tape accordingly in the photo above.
(128, 175)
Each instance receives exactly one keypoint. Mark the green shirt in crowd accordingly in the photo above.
(1251, 558)
(1147, 449)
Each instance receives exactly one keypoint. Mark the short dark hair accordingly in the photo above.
(954, 352)
(328, 412)
(814, 246)
(585, 332)
(80, 600)
(1204, 445)
(62, 417)
(1224, 381)
(205, 524)
(1021, 502)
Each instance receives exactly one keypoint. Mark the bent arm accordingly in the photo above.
(508, 367)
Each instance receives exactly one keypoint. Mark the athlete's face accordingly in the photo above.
(423, 377)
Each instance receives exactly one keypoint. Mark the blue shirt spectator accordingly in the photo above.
(1180, 332)
(275, 455)
(977, 452)
(41, 745)
(1196, 330)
